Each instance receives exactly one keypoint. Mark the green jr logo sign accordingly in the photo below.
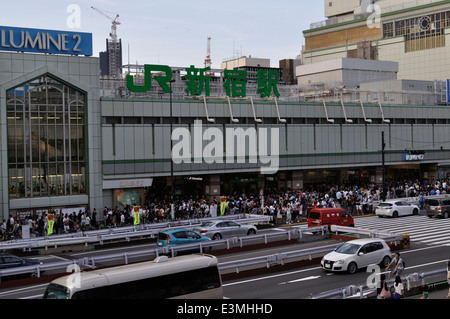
(197, 81)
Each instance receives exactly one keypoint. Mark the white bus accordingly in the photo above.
(188, 277)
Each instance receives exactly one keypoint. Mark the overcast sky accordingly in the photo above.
(174, 32)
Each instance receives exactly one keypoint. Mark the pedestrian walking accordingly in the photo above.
(399, 288)
(383, 291)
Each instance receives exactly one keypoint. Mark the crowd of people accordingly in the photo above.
(291, 206)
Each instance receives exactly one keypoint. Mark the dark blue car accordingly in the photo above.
(11, 261)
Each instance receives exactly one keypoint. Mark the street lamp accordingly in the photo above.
(172, 191)
(383, 148)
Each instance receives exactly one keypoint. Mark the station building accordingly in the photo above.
(415, 34)
(70, 140)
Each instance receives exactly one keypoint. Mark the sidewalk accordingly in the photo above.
(433, 294)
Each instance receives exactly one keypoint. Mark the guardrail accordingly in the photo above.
(280, 258)
(227, 244)
(363, 290)
(120, 233)
(370, 233)
(203, 247)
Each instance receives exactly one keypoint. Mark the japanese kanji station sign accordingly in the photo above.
(197, 81)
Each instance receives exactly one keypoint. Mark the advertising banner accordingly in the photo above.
(45, 41)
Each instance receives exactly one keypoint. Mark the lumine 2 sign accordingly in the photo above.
(197, 81)
(45, 41)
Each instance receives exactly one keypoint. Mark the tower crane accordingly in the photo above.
(115, 22)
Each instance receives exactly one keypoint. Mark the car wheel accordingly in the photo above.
(395, 214)
(415, 211)
(385, 262)
(445, 214)
(251, 232)
(217, 236)
(352, 268)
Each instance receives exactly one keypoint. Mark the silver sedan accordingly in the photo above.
(225, 228)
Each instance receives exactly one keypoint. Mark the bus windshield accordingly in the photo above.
(56, 292)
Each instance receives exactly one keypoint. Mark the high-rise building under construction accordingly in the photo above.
(111, 59)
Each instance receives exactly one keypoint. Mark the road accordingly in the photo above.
(430, 248)
(310, 281)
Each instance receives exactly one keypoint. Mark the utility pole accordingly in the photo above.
(172, 182)
(383, 146)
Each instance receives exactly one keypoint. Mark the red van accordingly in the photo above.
(330, 216)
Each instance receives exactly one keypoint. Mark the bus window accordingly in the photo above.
(56, 292)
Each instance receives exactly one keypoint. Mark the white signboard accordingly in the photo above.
(127, 183)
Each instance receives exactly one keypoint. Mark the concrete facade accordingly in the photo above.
(346, 72)
(308, 141)
(420, 51)
(79, 72)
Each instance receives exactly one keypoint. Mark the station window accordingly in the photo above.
(422, 32)
(46, 139)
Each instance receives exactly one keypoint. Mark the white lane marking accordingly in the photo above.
(299, 280)
(315, 268)
(269, 277)
(23, 289)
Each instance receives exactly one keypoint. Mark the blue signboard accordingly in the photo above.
(448, 91)
(45, 41)
(408, 157)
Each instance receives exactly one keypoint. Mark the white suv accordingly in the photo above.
(358, 253)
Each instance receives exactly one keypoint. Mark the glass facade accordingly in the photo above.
(46, 139)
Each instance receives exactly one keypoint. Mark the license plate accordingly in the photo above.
(327, 266)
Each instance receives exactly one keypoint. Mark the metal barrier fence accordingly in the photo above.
(430, 277)
(279, 258)
(203, 247)
(297, 233)
(368, 233)
(119, 233)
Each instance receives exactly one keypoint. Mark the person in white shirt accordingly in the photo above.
(66, 223)
(399, 288)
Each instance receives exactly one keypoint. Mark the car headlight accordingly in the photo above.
(340, 261)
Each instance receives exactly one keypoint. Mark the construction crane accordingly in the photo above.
(115, 22)
(208, 56)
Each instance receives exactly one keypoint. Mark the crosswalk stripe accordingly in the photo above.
(431, 233)
(420, 228)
